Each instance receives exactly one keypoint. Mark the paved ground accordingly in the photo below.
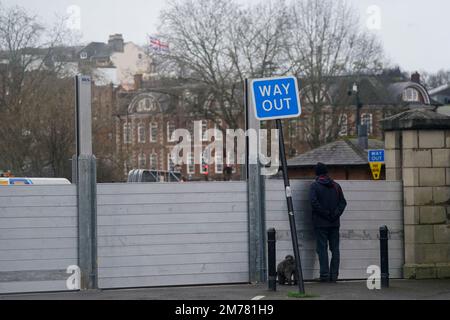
(400, 289)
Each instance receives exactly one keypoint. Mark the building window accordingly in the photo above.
(153, 161)
(204, 129)
(191, 164)
(142, 160)
(343, 125)
(170, 163)
(83, 56)
(411, 95)
(153, 132)
(127, 133)
(147, 105)
(367, 119)
(170, 130)
(219, 163)
(141, 133)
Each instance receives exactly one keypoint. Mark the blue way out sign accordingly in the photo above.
(276, 98)
(376, 156)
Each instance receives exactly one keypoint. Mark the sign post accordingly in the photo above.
(276, 99)
(85, 176)
(376, 161)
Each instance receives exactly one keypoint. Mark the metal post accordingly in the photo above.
(75, 169)
(272, 259)
(86, 180)
(384, 253)
(87, 221)
(290, 206)
(256, 211)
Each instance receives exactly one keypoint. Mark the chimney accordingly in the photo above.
(415, 77)
(116, 42)
(137, 81)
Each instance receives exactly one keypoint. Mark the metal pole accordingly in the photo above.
(256, 211)
(358, 112)
(384, 253)
(272, 259)
(290, 205)
(245, 169)
(86, 186)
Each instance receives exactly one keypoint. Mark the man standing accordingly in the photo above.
(328, 205)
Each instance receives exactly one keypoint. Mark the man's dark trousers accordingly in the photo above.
(325, 236)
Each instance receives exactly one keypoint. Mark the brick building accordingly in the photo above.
(145, 116)
(145, 119)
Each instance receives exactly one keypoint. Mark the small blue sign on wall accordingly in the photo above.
(376, 156)
(276, 98)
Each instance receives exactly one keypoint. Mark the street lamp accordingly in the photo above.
(361, 130)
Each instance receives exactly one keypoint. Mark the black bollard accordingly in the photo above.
(272, 259)
(384, 253)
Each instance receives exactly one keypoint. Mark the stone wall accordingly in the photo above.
(421, 158)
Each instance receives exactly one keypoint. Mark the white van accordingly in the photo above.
(32, 181)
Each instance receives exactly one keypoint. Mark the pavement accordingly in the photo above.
(345, 290)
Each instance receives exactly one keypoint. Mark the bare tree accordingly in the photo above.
(32, 96)
(437, 79)
(218, 44)
(325, 41)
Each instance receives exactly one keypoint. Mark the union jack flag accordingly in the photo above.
(158, 46)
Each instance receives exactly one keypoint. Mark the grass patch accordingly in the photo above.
(298, 295)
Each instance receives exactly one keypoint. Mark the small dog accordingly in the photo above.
(287, 271)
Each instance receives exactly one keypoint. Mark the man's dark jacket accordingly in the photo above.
(328, 203)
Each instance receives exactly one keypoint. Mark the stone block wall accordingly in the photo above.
(421, 158)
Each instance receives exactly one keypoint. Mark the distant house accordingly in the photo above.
(345, 159)
(115, 62)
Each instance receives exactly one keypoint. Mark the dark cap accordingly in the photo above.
(321, 169)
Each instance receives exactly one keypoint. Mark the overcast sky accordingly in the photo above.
(415, 33)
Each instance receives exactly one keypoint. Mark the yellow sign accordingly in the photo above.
(376, 169)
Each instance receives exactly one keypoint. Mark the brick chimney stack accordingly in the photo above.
(116, 42)
(415, 77)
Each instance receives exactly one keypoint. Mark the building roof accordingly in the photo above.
(420, 118)
(339, 153)
(129, 99)
(376, 89)
(97, 50)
